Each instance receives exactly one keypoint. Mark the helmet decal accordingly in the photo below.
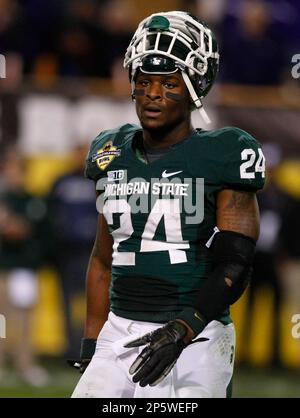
(158, 23)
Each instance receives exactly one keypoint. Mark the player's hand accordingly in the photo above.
(159, 356)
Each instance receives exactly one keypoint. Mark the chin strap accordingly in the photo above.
(196, 100)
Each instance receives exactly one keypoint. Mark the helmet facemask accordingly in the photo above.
(179, 37)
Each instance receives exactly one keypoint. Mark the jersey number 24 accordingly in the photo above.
(248, 169)
(169, 209)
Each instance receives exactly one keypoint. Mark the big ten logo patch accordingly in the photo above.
(115, 175)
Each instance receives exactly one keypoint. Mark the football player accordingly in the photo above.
(177, 228)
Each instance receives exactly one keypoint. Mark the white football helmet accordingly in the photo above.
(177, 41)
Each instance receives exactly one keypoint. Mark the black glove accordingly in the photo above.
(87, 350)
(158, 358)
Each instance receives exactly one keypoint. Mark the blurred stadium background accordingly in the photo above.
(64, 84)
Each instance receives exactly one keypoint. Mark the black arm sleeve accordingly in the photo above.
(233, 255)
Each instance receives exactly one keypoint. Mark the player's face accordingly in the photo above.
(162, 101)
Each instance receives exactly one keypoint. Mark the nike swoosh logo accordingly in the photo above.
(165, 174)
(198, 317)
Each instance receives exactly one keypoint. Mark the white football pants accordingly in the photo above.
(203, 370)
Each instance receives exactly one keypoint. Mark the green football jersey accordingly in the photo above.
(162, 214)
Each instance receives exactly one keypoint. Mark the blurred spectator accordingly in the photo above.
(93, 36)
(211, 11)
(77, 55)
(249, 54)
(290, 246)
(74, 218)
(114, 36)
(38, 23)
(22, 235)
(10, 30)
(9, 101)
(85, 38)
